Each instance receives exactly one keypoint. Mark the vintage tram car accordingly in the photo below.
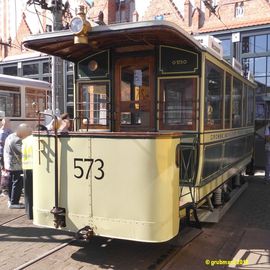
(156, 112)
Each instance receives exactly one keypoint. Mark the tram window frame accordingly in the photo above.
(82, 114)
(237, 122)
(210, 123)
(14, 106)
(228, 100)
(191, 125)
(37, 95)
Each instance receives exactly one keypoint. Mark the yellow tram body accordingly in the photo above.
(110, 205)
(160, 122)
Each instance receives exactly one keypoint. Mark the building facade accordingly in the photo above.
(16, 60)
(243, 31)
(242, 26)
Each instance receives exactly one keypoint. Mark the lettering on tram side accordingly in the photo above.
(83, 167)
(178, 60)
(226, 135)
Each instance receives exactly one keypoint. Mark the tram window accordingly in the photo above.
(228, 101)
(135, 96)
(37, 96)
(237, 103)
(236, 149)
(250, 107)
(212, 158)
(10, 101)
(93, 105)
(213, 96)
(177, 103)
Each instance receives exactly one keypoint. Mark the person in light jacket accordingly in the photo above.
(13, 164)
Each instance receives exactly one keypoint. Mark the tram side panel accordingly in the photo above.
(121, 187)
(218, 162)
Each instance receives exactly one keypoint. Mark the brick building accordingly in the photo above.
(242, 26)
(244, 32)
(19, 20)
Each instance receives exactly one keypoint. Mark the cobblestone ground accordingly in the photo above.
(20, 240)
(243, 233)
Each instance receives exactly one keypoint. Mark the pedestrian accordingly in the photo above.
(4, 132)
(65, 123)
(54, 124)
(267, 154)
(13, 164)
(27, 165)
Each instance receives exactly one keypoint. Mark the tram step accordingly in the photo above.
(214, 216)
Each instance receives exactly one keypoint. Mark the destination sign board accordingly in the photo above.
(178, 61)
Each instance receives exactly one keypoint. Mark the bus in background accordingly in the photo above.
(17, 96)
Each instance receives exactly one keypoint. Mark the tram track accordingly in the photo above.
(159, 263)
(13, 219)
(164, 259)
(43, 256)
(164, 254)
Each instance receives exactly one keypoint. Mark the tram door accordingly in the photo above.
(134, 94)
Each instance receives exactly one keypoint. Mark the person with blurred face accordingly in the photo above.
(27, 165)
(13, 164)
(5, 131)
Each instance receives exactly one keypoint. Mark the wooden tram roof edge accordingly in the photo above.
(105, 37)
(128, 135)
(61, 43)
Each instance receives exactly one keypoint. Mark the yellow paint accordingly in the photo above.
(224, 135)
(137, 199)
(201, 191)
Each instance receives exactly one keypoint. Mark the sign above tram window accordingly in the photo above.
(94, 66)
(178, 61)
(138, 77)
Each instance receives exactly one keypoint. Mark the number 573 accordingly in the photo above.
(83, 167)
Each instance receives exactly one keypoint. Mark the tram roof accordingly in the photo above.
(103, 37)
(14, 80)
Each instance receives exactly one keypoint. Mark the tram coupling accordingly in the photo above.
(86, 233)
(59, 217)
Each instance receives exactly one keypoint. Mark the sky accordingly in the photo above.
(16, 7)
(141, 5)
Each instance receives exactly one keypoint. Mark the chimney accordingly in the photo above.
(135, 16)
(110, 11)
(187, 13)
(196, 20)
(197, 15)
